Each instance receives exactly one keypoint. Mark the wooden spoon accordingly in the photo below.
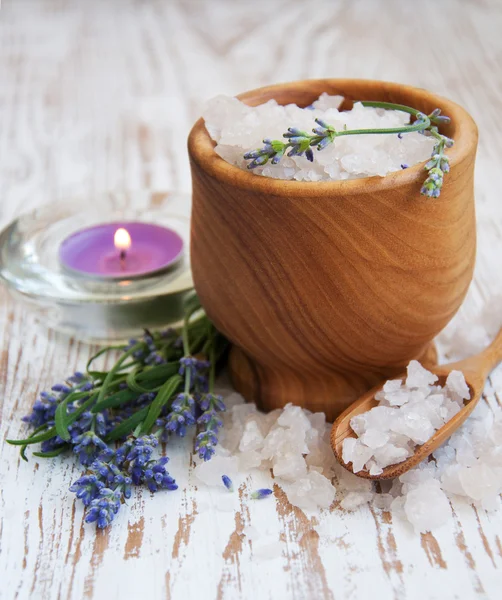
(475, 369)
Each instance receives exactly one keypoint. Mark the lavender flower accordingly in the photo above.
(196, 368)
(156, 477)
(103, 509)
(141, 450)
(182, 414)
(111, 473)
(51, 444)
(43, 411)
(260, 494)
(209, 420)
(88, 446)
(300, 143)
(87, 488)
(227, 482)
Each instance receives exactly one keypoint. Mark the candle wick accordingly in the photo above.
(122, 255)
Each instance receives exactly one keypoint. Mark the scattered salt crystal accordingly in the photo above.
(295, 418)
(267, 550)
(252, 438)
(290, 467)
(426, 506)
(355, 499)
(238, 128)
(311, 492)
(294, 443)
(383, 501)
(210, 472)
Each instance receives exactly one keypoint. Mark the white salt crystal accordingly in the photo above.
(418, 377)
(355, 499)
(390, 455)
(325, 102)
(426, 506)
(267, 550)
(251, 532)
(383, 501)
(291, 467)
(249, 460)
(374, 438)
(211, 471)
(348, 448)
(479, 481)
(360, 456)
(311, 492)
(456, 384)
(374, 468)
(281, 441)
(295, 418)
(296, 446)
(238, 128)
(252, 438)
(407, 415)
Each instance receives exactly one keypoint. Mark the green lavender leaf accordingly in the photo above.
(52, 453)
(35, 439)
(127, 426)
(163, 396)
(50, 433)
(117, 399)
(61, 416)
(100, 374)
(115, 369)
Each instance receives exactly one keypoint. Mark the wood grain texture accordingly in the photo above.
(476, 369)
(101, 95)
(329, 287)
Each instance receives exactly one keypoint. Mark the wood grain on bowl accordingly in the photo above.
(326, 288)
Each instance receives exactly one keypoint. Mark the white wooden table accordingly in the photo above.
(99, 95)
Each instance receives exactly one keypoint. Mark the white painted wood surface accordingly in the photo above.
(99, 95)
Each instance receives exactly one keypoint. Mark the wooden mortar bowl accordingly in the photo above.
(326, 288)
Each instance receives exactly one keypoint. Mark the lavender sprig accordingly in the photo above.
(300, 143)
(112, 420)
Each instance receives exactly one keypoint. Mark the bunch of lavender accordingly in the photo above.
(112, 420)
(300, 143)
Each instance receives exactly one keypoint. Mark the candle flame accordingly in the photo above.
(122, 239)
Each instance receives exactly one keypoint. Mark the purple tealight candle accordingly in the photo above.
(121, 250)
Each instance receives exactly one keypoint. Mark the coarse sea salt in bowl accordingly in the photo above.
(326, 288)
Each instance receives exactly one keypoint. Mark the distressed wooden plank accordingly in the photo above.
(95, 96)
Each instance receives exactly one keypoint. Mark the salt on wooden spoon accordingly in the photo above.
(475, 369)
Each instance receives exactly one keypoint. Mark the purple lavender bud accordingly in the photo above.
(309, 155)
(404, 166)
(323, 143)
(258, 162)
(295, 131)
(261, 493)
(252, 154)
(400, 136)
(227, 482)
(59, 387)
(322, 124)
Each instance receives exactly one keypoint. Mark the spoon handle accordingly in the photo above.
(483, 363)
